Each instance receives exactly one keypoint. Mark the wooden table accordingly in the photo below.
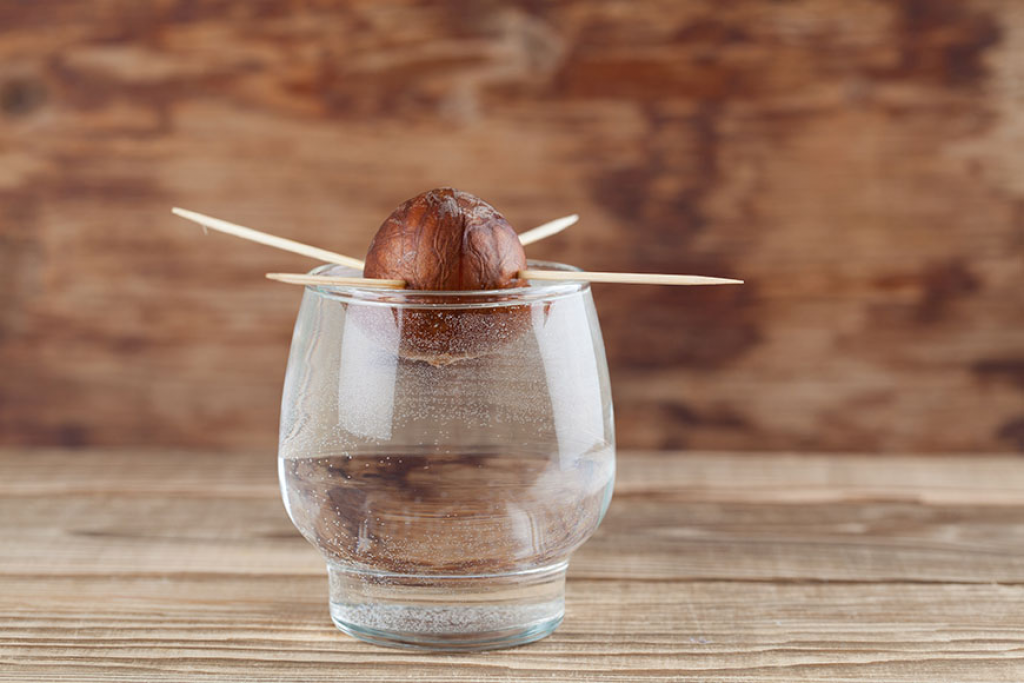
(157, 566)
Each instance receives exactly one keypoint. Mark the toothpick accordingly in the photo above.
(627, 278)
(299, 279)
(267, 239)
(547, 229)
(623, 278)
(528, 237)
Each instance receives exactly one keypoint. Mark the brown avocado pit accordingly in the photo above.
(446, 240)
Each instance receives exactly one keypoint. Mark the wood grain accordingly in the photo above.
(857, 163)
(163, 566)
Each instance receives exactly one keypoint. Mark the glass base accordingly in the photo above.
(449, 612)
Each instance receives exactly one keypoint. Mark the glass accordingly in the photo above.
(446, 452)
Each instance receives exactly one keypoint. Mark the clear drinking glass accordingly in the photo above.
(446, 452)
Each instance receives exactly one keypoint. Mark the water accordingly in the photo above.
(448, 548)
(448, 512)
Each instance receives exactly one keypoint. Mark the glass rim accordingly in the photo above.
(537, 290)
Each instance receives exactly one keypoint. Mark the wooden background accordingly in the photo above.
(860, 163)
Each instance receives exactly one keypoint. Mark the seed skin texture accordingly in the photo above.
(447, 240)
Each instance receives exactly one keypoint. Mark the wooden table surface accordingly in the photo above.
(160, 566)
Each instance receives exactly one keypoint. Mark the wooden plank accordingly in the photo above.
(659, 540)
(709, 567)
(693, 476)
(277, 629)
(693, 517)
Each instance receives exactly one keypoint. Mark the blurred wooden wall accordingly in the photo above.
(860, 163)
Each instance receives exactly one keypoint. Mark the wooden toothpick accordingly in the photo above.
(300, 279)
(560, 275)
(547, 229)
(528, 237)
(627, 278)
(268, 239)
